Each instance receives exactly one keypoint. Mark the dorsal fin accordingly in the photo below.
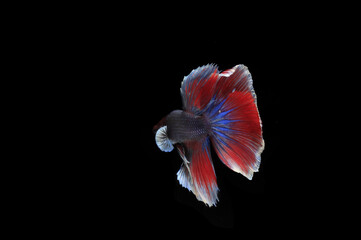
(197, 88)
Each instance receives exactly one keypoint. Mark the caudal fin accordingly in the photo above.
(236, 125)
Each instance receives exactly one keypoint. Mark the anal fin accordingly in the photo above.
(197, 172)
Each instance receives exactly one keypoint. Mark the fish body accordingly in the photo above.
(184, 126)
(219, 109)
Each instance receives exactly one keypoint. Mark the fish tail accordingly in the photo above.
(236, 128)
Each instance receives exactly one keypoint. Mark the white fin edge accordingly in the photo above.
(228, 72)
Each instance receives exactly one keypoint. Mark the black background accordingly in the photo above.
(125, 85)
(103, 79)
(129, 176)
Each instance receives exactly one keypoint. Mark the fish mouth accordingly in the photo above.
(162, 140)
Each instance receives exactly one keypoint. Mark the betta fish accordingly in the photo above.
(219, 109)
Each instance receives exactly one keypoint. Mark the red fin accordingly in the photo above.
(197, 172)
(237, 133)
(236, 79)
(197, 88)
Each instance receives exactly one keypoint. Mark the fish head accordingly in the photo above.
(161, 136)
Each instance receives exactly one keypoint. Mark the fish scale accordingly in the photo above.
(183, 126)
